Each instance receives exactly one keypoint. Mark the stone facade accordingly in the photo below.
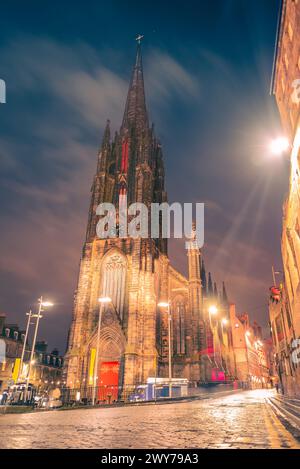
(285, 315)
(134, 272)
(250, 351)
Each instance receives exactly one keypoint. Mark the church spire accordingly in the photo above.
(210, 289)
(224, 294)
(203, 278)
(135, 114)
(216, 295)
(106, 135)
(104, 149)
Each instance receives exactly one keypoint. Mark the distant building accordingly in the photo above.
(285, 311)
(46, 371)
(251, 352)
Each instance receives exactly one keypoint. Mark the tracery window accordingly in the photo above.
(114, 279)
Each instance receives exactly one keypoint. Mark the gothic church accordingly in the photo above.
(135, 273)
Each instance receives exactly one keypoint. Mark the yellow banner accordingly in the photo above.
(16, 370)
(92, 366)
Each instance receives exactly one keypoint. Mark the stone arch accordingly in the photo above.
(111, 351)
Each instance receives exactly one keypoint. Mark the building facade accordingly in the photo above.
(46, 371)
(251, 353)
(285, 310)
(134, 272)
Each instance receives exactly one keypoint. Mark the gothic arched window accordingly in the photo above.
(179, 320)
(114, 279)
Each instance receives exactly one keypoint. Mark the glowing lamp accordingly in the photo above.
(163, 304)
(213, 310)
(279, 145)
(104, 299)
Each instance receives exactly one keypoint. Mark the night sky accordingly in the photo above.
(207, 68)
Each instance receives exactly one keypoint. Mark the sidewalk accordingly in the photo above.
(201, 396)
(288, 412)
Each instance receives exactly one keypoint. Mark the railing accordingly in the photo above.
(109, 395)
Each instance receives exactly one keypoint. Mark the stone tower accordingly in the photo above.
(134, 272)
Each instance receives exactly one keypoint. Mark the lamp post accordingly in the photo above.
(212, 310)
(102, 300)
(42, 304)
(167, 306)
(29, 314)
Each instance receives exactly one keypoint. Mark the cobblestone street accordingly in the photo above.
(242, 420)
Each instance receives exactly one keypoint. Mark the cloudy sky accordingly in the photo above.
(207, 73)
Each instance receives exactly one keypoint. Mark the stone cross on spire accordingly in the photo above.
(139, 38)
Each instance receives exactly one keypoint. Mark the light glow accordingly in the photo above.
(213, 309)
(104, 299)
(163, 304)
(279, 145)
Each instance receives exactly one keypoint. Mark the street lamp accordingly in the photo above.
(224, 322)
(102, 300)
(279, 145)
(29, 314)
(212, 309)
(166, 305)
(45, 304)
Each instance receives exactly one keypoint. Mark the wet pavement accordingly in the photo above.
(240, 420)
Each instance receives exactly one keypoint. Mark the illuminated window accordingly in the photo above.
(113, 271)
(297, 227)
(290, 31)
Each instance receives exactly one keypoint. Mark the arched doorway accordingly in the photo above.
(110, 365)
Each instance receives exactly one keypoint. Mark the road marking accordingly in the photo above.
(279, 437)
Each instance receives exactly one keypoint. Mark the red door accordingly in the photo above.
(108, 381)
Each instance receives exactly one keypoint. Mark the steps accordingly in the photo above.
(288, 412)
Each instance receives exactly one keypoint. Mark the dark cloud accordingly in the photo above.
(207, 74)
(47, 165)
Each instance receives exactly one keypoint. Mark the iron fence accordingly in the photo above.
(109, 395)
